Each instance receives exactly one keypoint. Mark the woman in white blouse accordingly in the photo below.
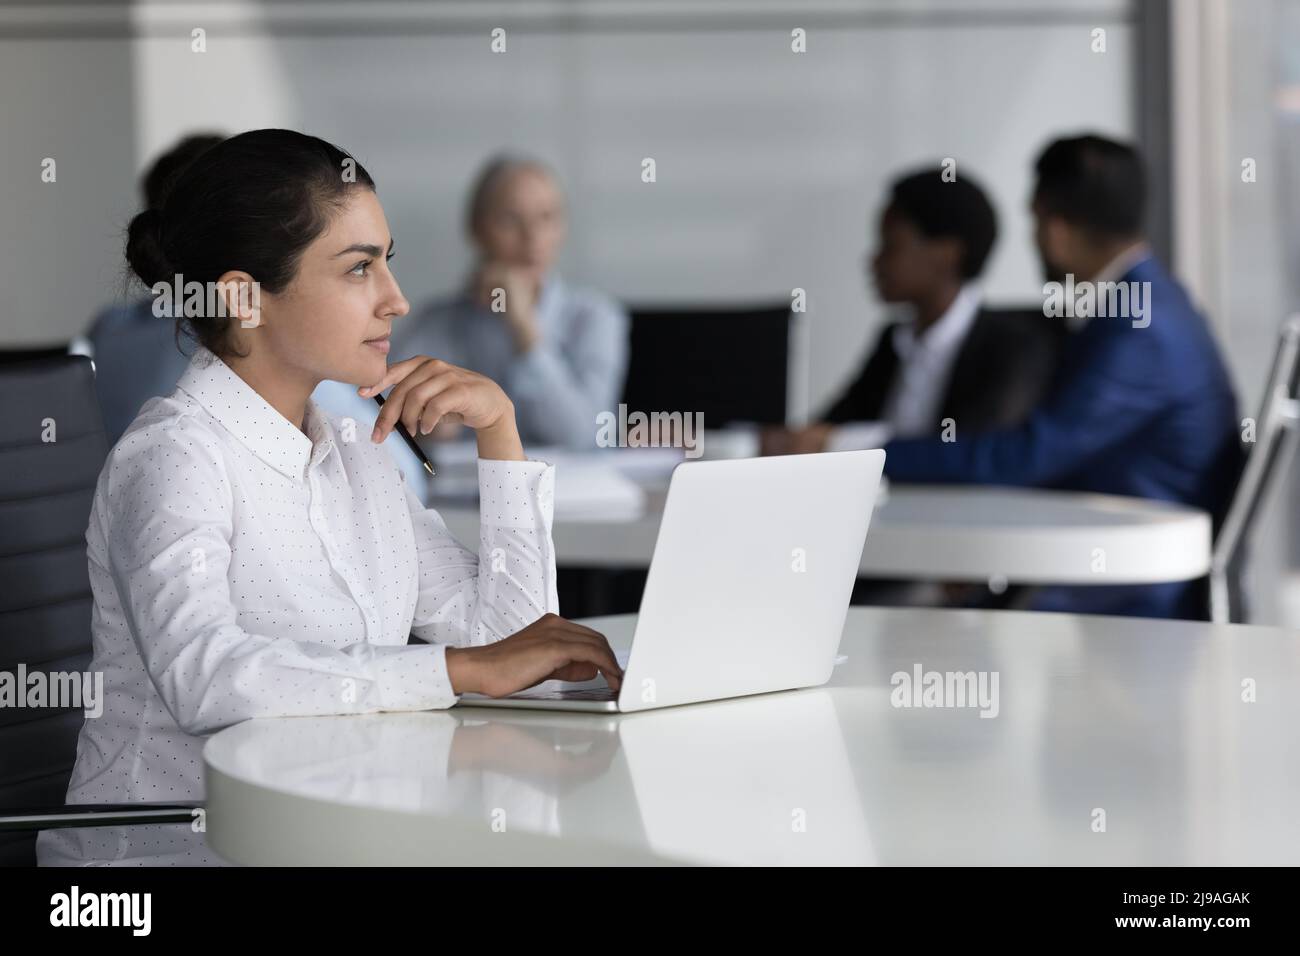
(252, 557)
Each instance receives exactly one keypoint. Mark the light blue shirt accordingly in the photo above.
(574, 372)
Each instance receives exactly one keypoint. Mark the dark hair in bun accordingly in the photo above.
(252, 202)
(144, 248)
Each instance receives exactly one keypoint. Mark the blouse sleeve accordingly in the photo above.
(468, 599)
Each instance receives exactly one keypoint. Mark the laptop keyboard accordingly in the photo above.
(581, 693)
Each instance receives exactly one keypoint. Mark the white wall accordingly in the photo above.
(68, 99)
(771, 164)
(1237, 90)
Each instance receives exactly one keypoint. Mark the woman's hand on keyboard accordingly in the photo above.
(551, 648)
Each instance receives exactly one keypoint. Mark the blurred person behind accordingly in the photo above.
(948, 356)
(1142, 406)
(137, 353)
(558, 349)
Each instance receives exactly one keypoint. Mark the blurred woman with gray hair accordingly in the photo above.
(558, 349)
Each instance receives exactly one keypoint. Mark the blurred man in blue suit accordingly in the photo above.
(1142, 404)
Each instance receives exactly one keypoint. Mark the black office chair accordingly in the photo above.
(46, 490)
(1275, 432)
(731, 364)
(30, 353)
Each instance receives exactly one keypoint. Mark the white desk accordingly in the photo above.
(952, 533)
(1142, 719)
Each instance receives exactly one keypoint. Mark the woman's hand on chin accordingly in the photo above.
(425, 390)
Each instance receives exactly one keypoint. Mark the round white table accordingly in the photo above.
(950, 533)
(1108, 741)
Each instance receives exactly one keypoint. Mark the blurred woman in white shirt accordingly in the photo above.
(251, 556)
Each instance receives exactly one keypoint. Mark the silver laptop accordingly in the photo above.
(748, 587)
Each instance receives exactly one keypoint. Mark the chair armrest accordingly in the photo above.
(96, 815)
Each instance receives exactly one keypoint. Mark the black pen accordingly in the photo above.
(411, 442)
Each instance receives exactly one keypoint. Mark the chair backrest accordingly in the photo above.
(31, 352)
(1275, 428)
(52, 449)
(731, 364)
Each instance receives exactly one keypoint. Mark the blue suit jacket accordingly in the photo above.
(1142, 411)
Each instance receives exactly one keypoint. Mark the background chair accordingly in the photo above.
(731, 364)
(46, 490)
(1275, 428)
